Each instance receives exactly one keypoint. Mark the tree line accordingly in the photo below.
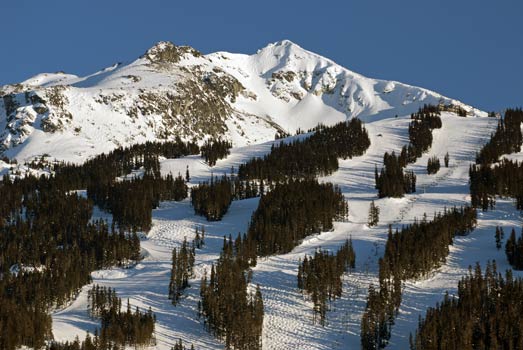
(130, 201)
(213, 198)
(410, 253)
(423, 246)
(392, 180)
(303, 158)
(505, 140)
(320, 276)
(308, 157)
(504, 179)
(485, 314)
(292, 211)
(107, 167)
(213, 150)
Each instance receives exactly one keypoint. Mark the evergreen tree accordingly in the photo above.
(119, 329)
(433, 165)
(499, 236)
(393, 181)
(315, 155)
(213, 150)
(213, 198)
(230, 311)
(199, 237)
(485, 314)
(179, 346)
(292, 211)
(514, 250)
(320, 276)
(182, 270)
(374, 215)
(503, 179)
(409, 254)
(420, 129)
(505, 140)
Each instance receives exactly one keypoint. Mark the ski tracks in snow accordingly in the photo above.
(288, 322)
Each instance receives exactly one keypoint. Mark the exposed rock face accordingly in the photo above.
(167, 52)
(57, 115)
(197, 107)
(46, 109)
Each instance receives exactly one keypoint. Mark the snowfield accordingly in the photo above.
(286, 88)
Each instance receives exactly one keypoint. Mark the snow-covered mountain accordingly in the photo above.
(176, 91)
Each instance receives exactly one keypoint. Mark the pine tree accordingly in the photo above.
(433, 165)
(499, 236)
(393, 181)
(199, 237)
(181, 271)
(213, 150)
(376, 177)
(291, 211)
(311, 156)
(409, 254)
(230, 312)
(320, 276)
(454, 322)
(374, 215)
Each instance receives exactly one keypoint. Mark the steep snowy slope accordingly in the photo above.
(176, 91)
(310, 89)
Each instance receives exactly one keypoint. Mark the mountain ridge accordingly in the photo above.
(174, 91)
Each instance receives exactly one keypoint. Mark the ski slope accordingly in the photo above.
(247, 98)
(288, 314)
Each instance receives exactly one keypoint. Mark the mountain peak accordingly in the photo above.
(171, 90)
(286, 43)
(282, 46)
(167, 52)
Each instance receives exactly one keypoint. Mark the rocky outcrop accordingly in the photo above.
(167, 52)
(26, 110)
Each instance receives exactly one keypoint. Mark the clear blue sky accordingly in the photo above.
(471, 50)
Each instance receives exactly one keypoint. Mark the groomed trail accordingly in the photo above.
(288, 322)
